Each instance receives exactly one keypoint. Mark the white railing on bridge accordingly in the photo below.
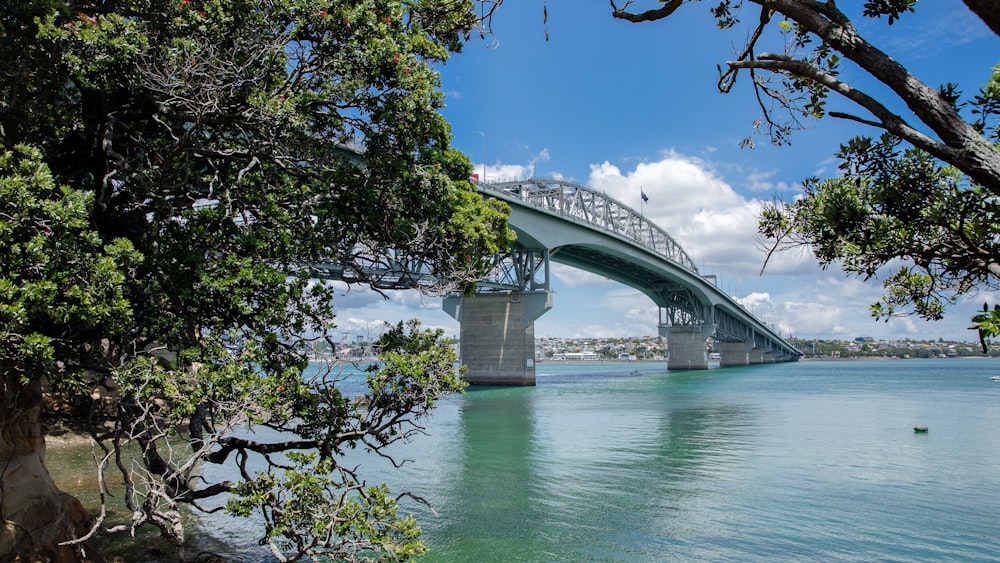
(595, 209)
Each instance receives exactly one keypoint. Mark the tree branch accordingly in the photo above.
(649, 15)
(727, 79)
(988, 11)
(850, 117)
(229, 445)
(887, 120)
(970, 153)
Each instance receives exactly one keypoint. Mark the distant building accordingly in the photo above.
(576, 356)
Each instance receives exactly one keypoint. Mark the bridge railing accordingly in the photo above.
(594, 209)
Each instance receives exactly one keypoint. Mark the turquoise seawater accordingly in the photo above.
(807, 461)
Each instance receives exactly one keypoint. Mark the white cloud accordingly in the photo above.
(677, 187)
(499, 172)
(355, 297)
(355, 326)
(504, 172)
(827, 306)
(363, 312)
(701, 211)
(618, 311)
(831, 305)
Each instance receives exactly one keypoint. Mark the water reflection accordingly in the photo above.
(491, 499)
(561, 472)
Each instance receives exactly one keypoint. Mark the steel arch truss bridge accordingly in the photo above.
(567, 223)
(575, 225)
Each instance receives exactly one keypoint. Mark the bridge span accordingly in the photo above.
(568, 223)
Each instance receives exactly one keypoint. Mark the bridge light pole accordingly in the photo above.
(484, 154)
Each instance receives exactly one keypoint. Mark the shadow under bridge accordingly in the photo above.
(564, 222)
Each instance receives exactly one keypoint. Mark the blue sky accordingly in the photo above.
(618, 106)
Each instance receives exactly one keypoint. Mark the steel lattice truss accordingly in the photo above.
(595, 209)
(682, 307)
(517, 270)
(386, 270)
(729, 328)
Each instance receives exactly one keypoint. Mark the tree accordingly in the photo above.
(170, 171)
(917, 205)
(63, 291)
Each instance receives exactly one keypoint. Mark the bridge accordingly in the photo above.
(568, 223)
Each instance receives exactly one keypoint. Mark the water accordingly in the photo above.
(813, 461)
(805, 461)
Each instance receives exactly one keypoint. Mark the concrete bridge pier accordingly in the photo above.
(734, 353)
(497, 333)
(686, 346)
(761, 356)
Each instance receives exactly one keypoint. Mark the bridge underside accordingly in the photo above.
(497, 335)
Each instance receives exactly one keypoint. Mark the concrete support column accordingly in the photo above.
(734, 353)
(686, 347)
(760, 356)
(497, 335)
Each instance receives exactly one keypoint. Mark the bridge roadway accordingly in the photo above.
(575, 225)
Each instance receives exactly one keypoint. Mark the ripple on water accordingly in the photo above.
(792, 462)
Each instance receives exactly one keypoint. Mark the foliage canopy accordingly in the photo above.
(169, 169)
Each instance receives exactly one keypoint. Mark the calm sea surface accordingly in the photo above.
(808, 461)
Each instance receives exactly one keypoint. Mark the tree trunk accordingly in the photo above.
(36, 515)
(988, 11)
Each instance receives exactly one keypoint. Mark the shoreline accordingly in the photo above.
(882, 358)
(663, 360)
(802, 359)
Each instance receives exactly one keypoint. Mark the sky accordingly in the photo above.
(624, 107)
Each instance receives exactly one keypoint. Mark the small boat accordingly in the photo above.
(920, 429)
(995, 378)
